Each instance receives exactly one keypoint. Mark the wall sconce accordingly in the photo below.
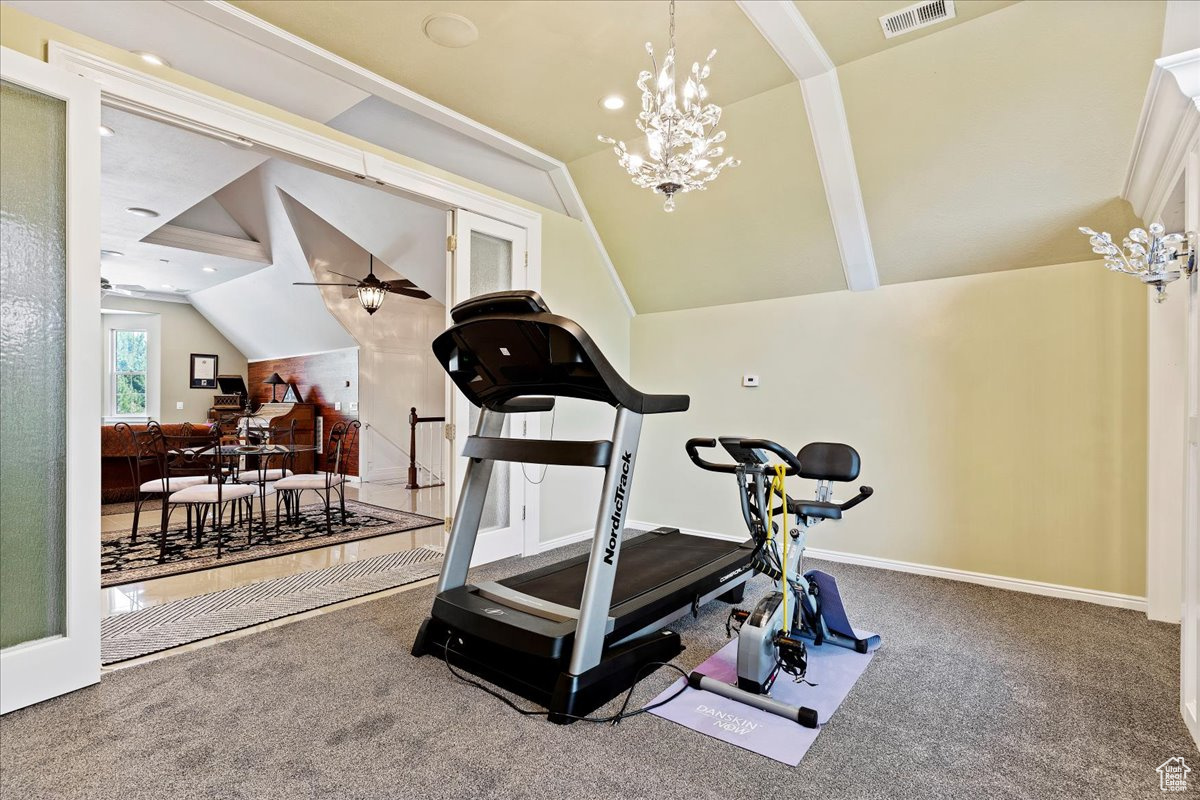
(1155, 258)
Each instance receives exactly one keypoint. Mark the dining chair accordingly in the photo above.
(271, 466)
(342, 437)
(205, 454)
(148, 467)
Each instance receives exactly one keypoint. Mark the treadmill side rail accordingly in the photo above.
(606, 543)
(470, 509)
(512, 598)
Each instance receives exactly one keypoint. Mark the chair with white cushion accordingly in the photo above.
(342, 438)
(271, 467)
(212, 497)
(149, 468)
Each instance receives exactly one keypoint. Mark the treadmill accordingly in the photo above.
(572, 635)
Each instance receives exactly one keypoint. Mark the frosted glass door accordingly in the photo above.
(490, 257)
(49, 382)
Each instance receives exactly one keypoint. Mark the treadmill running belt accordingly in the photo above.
(646, 562)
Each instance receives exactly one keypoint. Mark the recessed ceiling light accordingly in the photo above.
(142, 212)
(111, 254)
(151, 58)
(613, 102)
(450, 30)
(106, 131)
(208, 269)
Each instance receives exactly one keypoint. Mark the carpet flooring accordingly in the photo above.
(976, 692)
(123, 561)
(191, 619)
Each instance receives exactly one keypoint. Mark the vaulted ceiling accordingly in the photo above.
(981, 143)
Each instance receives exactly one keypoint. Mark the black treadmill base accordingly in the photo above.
(546, 681)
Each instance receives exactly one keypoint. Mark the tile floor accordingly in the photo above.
(133, 596)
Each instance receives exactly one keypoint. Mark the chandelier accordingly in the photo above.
(1149, 256)
(684, 150)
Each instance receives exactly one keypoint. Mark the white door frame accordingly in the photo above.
(147, 95)
(1189, 701)
(35, 671)
(460, 222)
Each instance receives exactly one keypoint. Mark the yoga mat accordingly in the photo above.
(834, 669)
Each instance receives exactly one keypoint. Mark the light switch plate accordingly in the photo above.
(179, 405)
(750, 380)
(337, 406)
(353, 406)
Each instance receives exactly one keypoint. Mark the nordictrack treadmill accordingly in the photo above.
(572, 635)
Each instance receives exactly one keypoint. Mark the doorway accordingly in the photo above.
(234, 126)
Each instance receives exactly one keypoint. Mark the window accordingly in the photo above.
(129, 377)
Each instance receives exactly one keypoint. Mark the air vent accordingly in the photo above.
(918, 15)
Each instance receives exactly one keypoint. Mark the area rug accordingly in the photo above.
(109, 509)
(124, 562)
(157, 628)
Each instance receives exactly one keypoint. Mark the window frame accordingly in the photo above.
(115, 374)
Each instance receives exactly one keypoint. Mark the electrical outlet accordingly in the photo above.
(750, 380)
(337, 406)
(354, 406)
(179, 405)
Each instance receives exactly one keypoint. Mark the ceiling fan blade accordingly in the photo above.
(342, 275)
(416, 293)
(301, 283)
(403, 283)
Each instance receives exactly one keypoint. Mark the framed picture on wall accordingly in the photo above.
(204, 371)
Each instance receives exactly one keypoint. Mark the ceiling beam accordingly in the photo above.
(781, 24)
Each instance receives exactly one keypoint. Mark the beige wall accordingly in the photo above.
(1000, 417)
(183, 332)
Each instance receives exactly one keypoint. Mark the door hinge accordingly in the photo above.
(527, 258)
(524, 427)
(449, 523)
(522, 512)
(449, 431)
(451, 243)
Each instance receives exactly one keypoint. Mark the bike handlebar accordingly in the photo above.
(692, 446)
(863, 493)
(784, 455)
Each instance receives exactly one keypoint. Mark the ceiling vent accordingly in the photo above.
(918, 15)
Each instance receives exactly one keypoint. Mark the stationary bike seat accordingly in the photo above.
(814, 508)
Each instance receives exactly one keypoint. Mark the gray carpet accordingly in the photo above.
(976, 692)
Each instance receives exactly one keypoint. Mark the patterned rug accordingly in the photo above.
(150, 630)
(108, 509)
(122, 562)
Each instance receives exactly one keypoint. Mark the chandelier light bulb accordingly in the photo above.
(681, 137)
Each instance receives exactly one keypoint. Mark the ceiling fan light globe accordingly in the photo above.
(371, 296)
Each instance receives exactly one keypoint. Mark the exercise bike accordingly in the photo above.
(805, 608)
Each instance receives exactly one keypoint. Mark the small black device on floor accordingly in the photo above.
(573, 635)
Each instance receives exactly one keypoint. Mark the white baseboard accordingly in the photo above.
(561, 541)
(649, 526)
(1096, 596)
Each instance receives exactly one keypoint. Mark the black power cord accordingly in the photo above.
(612, 720)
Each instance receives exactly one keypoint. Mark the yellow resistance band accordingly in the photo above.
(777, 484)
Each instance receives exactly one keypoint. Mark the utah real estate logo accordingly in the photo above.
(1172, 775)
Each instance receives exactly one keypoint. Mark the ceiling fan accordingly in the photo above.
(125, 289)
(371, 291)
